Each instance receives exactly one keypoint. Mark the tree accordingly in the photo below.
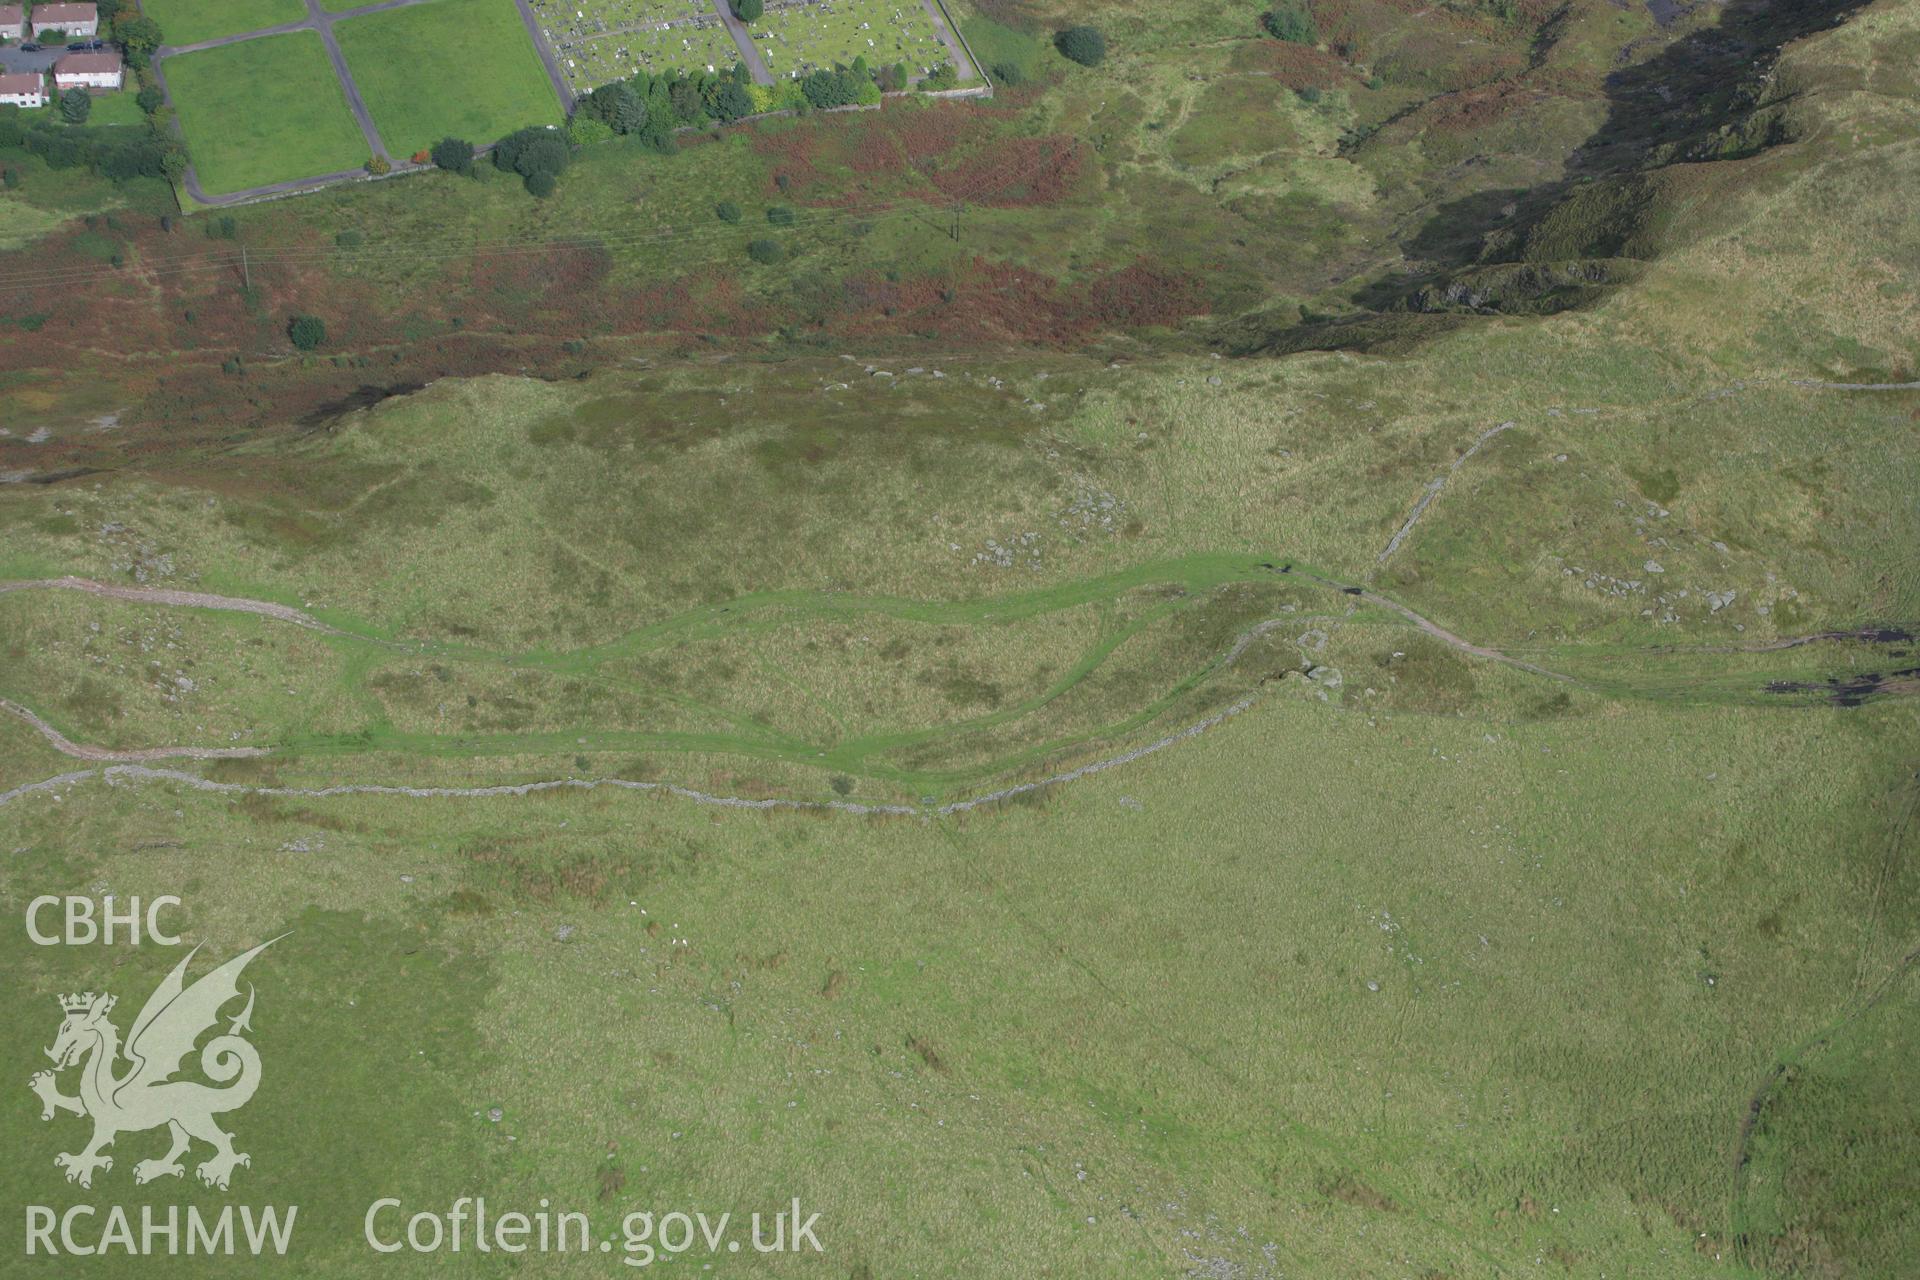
(150, 99)
(1292, 23)
(730, 102)
(629, 112)
(780, 216)
(688, 106)
(455, 155)
(619, 106)
(306, 332)
(748, 10)
(538, 155)
(839, 87)
(139, 36)
(1084, 45)
(726, 210)
(766, 252)
(75, 106)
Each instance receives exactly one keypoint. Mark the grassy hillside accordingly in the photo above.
(1265, 659)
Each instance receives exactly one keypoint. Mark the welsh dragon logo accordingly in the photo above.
(145, 1095)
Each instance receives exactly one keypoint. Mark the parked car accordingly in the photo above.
(83, 46)
(29, 47)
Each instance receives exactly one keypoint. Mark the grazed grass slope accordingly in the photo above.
(1419, 964)
(1353, 989)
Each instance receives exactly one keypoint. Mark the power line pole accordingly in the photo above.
(246, 274)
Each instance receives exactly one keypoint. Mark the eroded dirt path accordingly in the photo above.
(80, 751)
(169, 596)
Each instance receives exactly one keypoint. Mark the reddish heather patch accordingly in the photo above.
(994, 302)
(709, 302)
(790, 150)
(1014, 173)
(1472, 109)
(558, 282)
(1139, 295)
(903, 134)
(1295, 65)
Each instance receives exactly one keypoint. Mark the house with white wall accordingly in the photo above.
(100, 70)
(13, 22)
(23, 89)
(79, 21)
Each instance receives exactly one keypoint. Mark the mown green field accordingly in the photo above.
(191, 21)
(263, 111)
(460, 68)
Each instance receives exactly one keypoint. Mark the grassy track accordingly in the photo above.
(908, 760)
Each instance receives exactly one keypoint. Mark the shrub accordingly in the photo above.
(350, 239)
(1292, 23)
(379, 166)
(1009, 74)
(306, 332)
(941, 77)
(780, 216)
(9, 177)
(541, 183)
(748, 10)
(455, 155)
(75, 106)
(150, 99)
(727, 211)
(1084, 45)
(766, 252)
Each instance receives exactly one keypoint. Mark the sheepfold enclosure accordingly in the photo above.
(599, 41)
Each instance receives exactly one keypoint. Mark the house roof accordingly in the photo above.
(21, 82)
(12, 15)
(79, 64)
(58, 15)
